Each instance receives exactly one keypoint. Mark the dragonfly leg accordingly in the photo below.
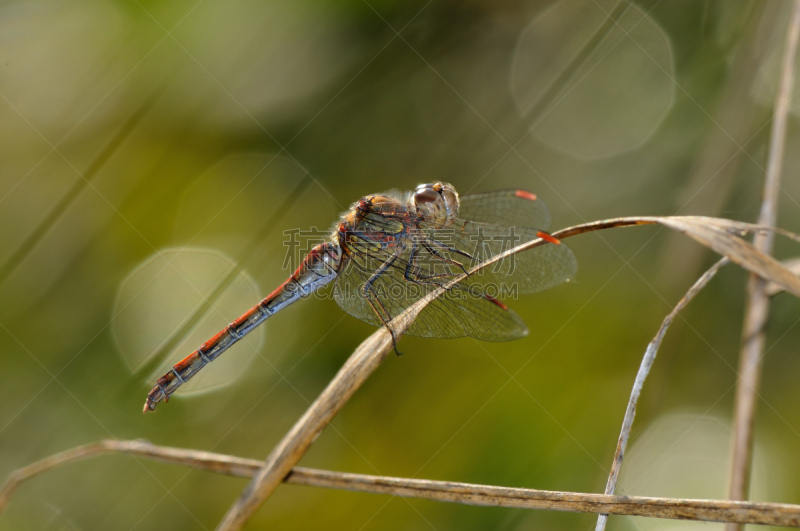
(446, 259)
(367, 289)
(412, 266)
(412, 272)
(428, 240)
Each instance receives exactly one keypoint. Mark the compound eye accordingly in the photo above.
(426, 196)
(450, 199)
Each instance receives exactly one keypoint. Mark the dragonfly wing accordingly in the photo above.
(494, 222)
(529, 271)
(456, 313)
(506, 208)
(468, 313)
(362, 260)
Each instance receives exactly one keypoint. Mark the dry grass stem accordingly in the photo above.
(718, 234)
(644, 369)
(361, 364)
(793, 265)
(464, 493)
(757, 309)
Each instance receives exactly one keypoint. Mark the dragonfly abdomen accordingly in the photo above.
(318, 268)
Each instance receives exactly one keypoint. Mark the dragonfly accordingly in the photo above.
(389, 250)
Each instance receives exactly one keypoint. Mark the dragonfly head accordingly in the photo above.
(438, 200)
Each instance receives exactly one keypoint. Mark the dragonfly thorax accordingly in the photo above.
(438, 201)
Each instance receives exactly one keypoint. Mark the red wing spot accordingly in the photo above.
(497, 302)
(524, 194)
(546, 237)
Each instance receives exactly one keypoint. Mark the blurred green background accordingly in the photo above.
(151, 148)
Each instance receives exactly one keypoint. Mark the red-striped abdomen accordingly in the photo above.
(318, 268)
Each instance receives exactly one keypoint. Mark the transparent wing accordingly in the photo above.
(459, 312)
(471, 242)
(506, 208)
